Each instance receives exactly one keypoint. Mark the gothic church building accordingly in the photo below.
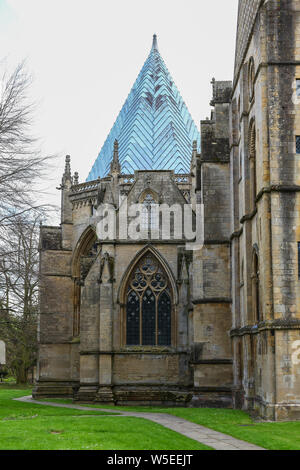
(154, 320)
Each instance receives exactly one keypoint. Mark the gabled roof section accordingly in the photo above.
(154, 129)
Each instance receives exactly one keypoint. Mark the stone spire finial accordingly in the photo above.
(76, 178)
(213, 82)
(67, 173)
(66, 184)
(115, 166)
(68, 166)
(194, 156)
(155, 44)
(116, 147)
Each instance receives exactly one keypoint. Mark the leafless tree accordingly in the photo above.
(21, 164)
(22, 167)
(19, 266)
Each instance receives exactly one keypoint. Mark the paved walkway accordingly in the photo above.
(214, 439)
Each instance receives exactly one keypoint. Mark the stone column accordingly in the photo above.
(105, 394)
(89, 337)
(183, 307)
(66, 206)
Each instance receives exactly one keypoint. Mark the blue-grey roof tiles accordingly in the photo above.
(154, 129)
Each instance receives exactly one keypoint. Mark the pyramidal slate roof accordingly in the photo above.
(154, 129)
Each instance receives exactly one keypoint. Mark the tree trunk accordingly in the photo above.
(21, 375)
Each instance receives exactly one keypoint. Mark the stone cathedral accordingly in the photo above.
(151, 320)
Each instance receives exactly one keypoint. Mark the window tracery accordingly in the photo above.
(148, 305)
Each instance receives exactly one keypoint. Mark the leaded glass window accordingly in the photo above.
(133, 318)
(148, 318)
(298, 260)
(164, 319)
(148, 305)
(298, 144)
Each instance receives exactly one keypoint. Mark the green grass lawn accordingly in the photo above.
(236, 423)
(29, 426)
(34, 427)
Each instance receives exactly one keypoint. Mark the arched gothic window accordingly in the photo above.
(251, 78)
(84, 256)
(148, 305)
(252, 157)
(256, 289)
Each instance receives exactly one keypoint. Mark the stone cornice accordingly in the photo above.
(144, 242)
(56, 275)
(278, 188)
(236, 234)
(216, 242)
(225, 161)
(212, 362)
(48, 380)
(271, 63)
(151, 351)
(59, 250)
(214, 300)
(247, 217)
(279, 324)
(212, 389)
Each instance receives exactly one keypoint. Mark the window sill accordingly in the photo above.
(146, 350)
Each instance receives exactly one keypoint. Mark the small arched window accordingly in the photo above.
(148, 305)
(251, 78)
(85, 253)
(252, 157)
(256, 288)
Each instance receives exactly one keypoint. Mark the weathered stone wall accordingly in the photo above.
(264, 374)
(98, 365)
(211, 289)
(56, 300)
(152, 369)
(247, 177)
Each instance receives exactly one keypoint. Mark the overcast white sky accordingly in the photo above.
(86, 55)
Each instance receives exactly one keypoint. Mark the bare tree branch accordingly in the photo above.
(22, 167)
(21, 164)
